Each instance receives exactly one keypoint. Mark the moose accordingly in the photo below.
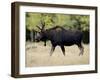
(60, 36)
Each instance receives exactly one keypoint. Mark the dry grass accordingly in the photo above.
(39, 55)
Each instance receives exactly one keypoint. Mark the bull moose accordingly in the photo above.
(60, 36)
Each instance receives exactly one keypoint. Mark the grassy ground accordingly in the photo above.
(39, 55)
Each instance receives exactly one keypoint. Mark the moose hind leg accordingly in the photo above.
(63, 50)
(81, 49)
(52, 50)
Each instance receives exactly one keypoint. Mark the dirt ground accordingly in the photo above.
(39, 55)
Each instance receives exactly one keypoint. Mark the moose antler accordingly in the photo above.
(39, 27)
(42, 26)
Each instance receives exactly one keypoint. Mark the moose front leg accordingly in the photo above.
(44, 43)
(52, 50)
(63, 50)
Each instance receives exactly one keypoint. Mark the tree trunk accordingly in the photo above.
(31, 35)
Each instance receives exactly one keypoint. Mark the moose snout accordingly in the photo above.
(37, 39)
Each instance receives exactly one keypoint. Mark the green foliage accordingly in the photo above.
(32, 20)
(80, 22)
(69, 21)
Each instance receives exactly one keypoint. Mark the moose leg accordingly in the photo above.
(81, 49)
(44, 43)
(63, 50)
(52, 50)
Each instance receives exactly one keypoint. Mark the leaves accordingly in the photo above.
(70, 21)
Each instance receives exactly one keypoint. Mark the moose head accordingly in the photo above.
(40, 36)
